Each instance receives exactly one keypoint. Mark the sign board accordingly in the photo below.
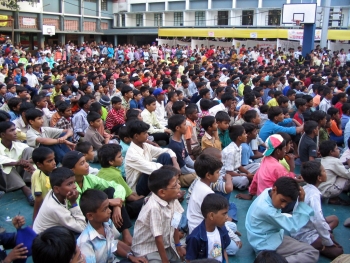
(211, 34)
(27, 21)
(298, 34)
(254, 35)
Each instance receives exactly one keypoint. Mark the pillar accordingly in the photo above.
(80, 39)
(17, 38)
(61, 38)
(325, 20)
(98, 38)
(41, 40)
(115, 40)
(308, 38)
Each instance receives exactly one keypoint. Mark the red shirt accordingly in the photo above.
(338, 105)
(114, 118)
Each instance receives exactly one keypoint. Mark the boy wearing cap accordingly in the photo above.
(160, 109)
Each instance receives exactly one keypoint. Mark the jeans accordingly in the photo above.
(60, 150)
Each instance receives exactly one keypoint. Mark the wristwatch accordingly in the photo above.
(129, 254)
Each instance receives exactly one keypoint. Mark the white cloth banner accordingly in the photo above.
(196, 44)
(298, 34)
(169, 42)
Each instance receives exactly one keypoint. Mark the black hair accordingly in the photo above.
(91, 200)
(40, 154)
(107, 153)
(308, 98)
(250, 115)
(132, 114)
(59, 175)
(62, 106)
(310, 126)
(4, 116)
(144, 89)
(222, 116)
(55, 245)
(177, 106)
(264, 108)
(116, 100)
(93, 116)
(249, 127)
(175, 120)
(20, 89)
(159, 179)
(273, 112)
(318, 115)
(310, 171)
(5, 125)
(235, 131)
(332, 111)
(326, 91)
(171, 168)
(249, 98)
(171, 94)
(37, 98)
(345, 108)
(148, 100)
(125, 89)
(326, 147)
(226, 96)
(207, 121)
(97, 86)
(96, 107)
(64, 89)
(203, 92)
(269, 256)
(137, 127)
(206, 164)
(123, 133)
(83, 147)
(13, 103)
(299, 102)
(84, 87)
(190, 109)
(32, 114)
(205, 104)
(288, 187)
(282, 99)
(25, 106)
(213, 203)
(290, 92)
(83, 100)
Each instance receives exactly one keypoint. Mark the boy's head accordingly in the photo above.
(205, 104)
(327, 93)
(35, 118)
(124, 135)
(223, 120)
(172, 96)
(237, 134)
(62, 181)
(127, 92)
(191, 112)
(116, 103)
(150, 103)
(95, 206)
(250, 130)
(94, 119)
(252, 116)
(249, 99)
(44, 159)
(138, 131)
(40, 101)
(55, 245)
(313, 172)
(76, 161)
(329, 148)
(319, 116)
(311, 128)
(214, 209)
(64, 109)
(333, 112)
(110, 155)
(177, 123)
(276, 146)
(275, 114)
(300, 104)
(164, 183)
(227, 99)
(136, 95)
(207, 167)
(209, 124)
(284, 191)
(86, 149)
(179, 107)
(8, 131)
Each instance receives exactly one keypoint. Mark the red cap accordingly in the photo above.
(137, 83)
(145, 80)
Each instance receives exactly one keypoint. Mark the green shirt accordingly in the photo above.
(114, 174)
(104, 113)
(224, 138)
(93, 182)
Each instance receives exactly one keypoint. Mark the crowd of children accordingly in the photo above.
(152, 127)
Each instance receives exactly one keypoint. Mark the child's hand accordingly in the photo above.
(117, 217)
(17, 253)
(18, 221)
(116, 202)
(181, 251)
(72, 196)
(239, 244)
(301, 194)
(78, 256)
(134, 259)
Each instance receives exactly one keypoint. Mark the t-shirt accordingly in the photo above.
(246, 154)
(214, 245)
(40, 184)
(307, 147)
(114, 174)
(180, 151)
(46, 132)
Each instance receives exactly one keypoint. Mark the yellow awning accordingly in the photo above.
(3, 17)
(333, 34)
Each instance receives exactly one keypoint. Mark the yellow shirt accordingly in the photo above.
(272, 103)
(40, 183)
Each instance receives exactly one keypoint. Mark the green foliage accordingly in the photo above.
(11, 4)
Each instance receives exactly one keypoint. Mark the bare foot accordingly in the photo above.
(244, 196)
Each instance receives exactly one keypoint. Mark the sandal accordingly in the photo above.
(338, 201)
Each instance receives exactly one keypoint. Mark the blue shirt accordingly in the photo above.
(344, 121)
(265, 224)
(246, 154)
(125, 148)
(134, 104)
(270, 128)
(197, 242)
(179, 149)
(285, 90)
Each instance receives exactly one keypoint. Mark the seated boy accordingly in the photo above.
(335, 131)
(138, 159)
(213, 244)
(90, 156)
(307, 146)
(91, 133)
(338, 177)
(317, 232)
(223, 121)
(116, 193)
(110, 157)
(55, 210)
(56, 244)
(266, 224)
(210, 137)
(53, 138)
(95, 207)
(44, 159)
(179, 107)
(79, 121)
(177, 123)
(231, 157)
(191, 136)
(21, 122)
(65, 121)
(172, 97)
(116, 116)
(159, 218)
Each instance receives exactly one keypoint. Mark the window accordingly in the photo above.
(274, 18)
(222, 18)
(200, 18)
(247, 17)
(158, 19)
(123, 20)
(139, 19)
(178, 19)
(104, 5)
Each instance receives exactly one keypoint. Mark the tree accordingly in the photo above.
(11, 4)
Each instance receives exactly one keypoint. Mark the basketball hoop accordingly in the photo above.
(297, 22)
(49, 31)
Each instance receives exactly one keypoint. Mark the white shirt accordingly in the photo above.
(214, 245)
(217, 108)
(11, 155)
(32, 80)
(160, 113)
(194, 213)
(231, 158)
(2, 78)
(325, 105)
(139, 160)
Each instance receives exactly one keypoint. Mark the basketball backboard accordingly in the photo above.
(305, 13)
(48, 30)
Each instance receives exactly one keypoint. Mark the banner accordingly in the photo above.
(27, 21)
(3, 23)
(298, 34)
